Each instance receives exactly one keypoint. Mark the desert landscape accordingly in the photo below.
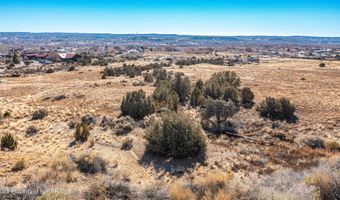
(256, 157)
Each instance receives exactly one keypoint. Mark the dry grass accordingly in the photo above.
(60, 169)
(178, 192)
(328, 184)
(316, 100)
(332, 145)
(214, 186)
(55, 196)
(19, 165)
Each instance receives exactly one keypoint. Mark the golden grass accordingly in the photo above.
(332, 145)
(214, 186)
(55, 196)
(327, 184)
(60, 169)
(178, 192)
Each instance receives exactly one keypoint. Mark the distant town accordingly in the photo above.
(20, 50)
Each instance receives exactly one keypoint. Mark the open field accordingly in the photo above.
(314, 91)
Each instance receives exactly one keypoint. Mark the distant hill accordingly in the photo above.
(160, 39)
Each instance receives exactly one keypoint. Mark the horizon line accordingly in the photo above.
(199, 35)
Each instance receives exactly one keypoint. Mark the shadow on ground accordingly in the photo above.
(176, 167)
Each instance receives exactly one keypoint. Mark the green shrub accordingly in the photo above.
(232, 94)
(182, 86)
(128, 70)
(82, 132)
(194, 61)
(216, 86)
(7, 114)
(197, 97)
(247, 97)
(276, 109)
(9, 142)
(160, 74)
(216, 112)
(164, 96)
(137, 105)
(175, 136)
(148, 78)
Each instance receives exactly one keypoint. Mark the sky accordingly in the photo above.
(186, 17)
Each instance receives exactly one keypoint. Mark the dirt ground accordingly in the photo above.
(314, 91)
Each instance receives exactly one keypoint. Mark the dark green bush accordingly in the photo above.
(232, 94)
(164, 96)
(194, 61)
(176, 136)
(247, 97)
(7, 114)
(216, 86)
(197, 97)
(216, 113)
(9, 142)
(82, 132)
(137, 105)
(160, 74)
(276, 109)
(136, 70)
(182, 86)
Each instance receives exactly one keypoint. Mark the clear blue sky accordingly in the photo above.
(197, 17)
